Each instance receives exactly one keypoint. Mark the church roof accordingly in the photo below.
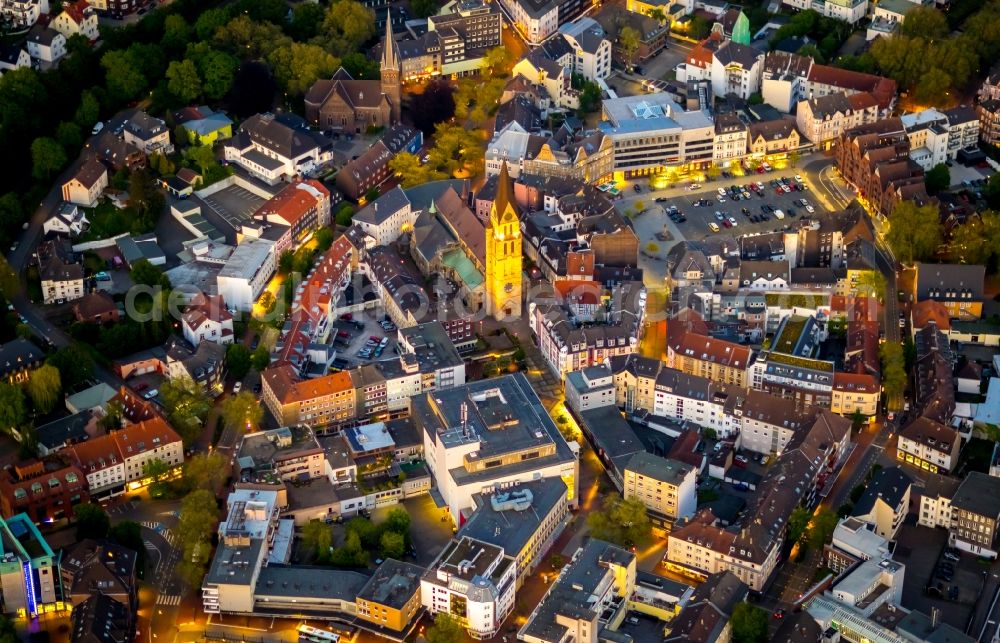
(505, 194)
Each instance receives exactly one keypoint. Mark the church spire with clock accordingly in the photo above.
(503, 253)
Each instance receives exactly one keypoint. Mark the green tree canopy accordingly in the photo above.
(47, 158)
(197, 520)
(145, 273)
(45, 387)
(74, 363)
(13, 411)
(123, 77)
(186, 405)
(297, 66)
(798, 523)
(392, 545)
(914, 231)
(237, 360)
(446, 629)
(318, 538)
(10, 284)
(620, 521)
(924, 22)
(937, 179)
(206, 471)
(893, 368)
(261, 358)
(242, 412)
(977, 241)
(749, 624)
(347, 25)
(183, 80)
(91, 521)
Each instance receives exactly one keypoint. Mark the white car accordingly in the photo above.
(148, 395)
(722, 191)
(732, 221)
(810, 209)
(778, 214)
(237, 387)
(785, 188)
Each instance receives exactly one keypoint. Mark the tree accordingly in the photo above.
(871, 283)
(391, 545)
(977, 241)
(628, 42)
(249, 39)
(74, 364)
(938, 178)
(347, 25)
(12, 407)
(324, 239)
(128, 533)
(434, 105)
(237, 360)
(44, 387)
(242, 412)
(345, 214)
(446, 629)
(260, 359)
(285, 262)
(186, 405)
(209, 22)
(361, 67)
(317, 538)
(176, 33)
(658, 15)
(145, 198)
(47, 158)
(88, 111)
(857, 420)
(297, 66)
(798, 523)
(496, 62)
(183, 80)
(812, 51)
(590, 97)
(699, 27)
(914, 230)
(10, 284)
(793, 158)
(202, 156)
(91, 521)
(197, 520)
(70, 137)
(749, 624)
(821, 528)
(924, 22)
(217, 70)
(306, 21)
(620, 521)
(398, 521)
(145, 273)
(205, 471)
(155, 469)
(933, 86)
(412, 172)
(893, 369)
(123, 77)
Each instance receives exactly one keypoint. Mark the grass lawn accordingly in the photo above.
(106, 221)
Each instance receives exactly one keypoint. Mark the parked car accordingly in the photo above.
(713, 226)
(150, 394)
(237, 387)
(98, 126)
(952, 556)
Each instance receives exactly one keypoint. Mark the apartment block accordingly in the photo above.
(666, 487)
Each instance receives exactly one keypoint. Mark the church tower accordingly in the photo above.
(503, 253)
(391, 73)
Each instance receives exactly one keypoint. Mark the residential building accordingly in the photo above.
(289, 453)
(715, 359)
(666, 487)
(524, 519)
(371, 169)
(101, 618)
(454, 42)
(826, 79)
(783, 80)
(391, 598)
(653, 34)
(651, 132)
(822, 120)
(99, 567)
(730, 138)
(935, 501)
(46, 45)
(96, 308)
(204, 364)
(246, 272)
(343, 104)
(87, 184)
(18, 358)
(29, 569)
(737, 70)
(276, 148)
(989, 121)
(115, 462)
(706, 615)
(77, 18)
(958, 286)
(490, 432)
(14, 57)
(207, 319)
(22, 14)
(976, 515)
(44, 490)
(590, 388)
(204, 126)
(928, 445)
(148, 133)
(590, 49)
(855, 393)
(61, 275)
(591, 593)
(291, 216)
(70, 220)
(875, 158)
(474, 582)
(772, 138)
(885, 502)
(566, 347)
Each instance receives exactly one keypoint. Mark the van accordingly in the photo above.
(714, 227)
(778, 214)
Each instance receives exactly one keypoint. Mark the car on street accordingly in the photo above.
(148, 395)
(722, 191)
(779, 215)
(732, 221)
(98, 126)
(660, 199)
(713, 226)
(952, 556)
(719, 216)
(237, 387)
(779, 613)
(810, 209)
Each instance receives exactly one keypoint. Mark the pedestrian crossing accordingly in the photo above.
(168, 601)
(150, 546)
(161, 529)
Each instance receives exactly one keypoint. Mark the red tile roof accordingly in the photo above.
(293, 202)
(883, 89)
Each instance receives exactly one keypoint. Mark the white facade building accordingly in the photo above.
(246, 273)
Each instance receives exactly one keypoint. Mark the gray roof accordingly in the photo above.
(890, 485)
(979, 493)
(733, 52)
(662, 469)
(949, 277)
(383, 207)
(144, 126)
(309, 582)
(511, 525)
(71, 428)
(393, 584)
(917, 626)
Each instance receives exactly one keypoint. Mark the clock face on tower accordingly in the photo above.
(508, 287)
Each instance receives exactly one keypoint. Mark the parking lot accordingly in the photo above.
(922, 549)
(348, 347)
(234, 205)
(704, 213)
